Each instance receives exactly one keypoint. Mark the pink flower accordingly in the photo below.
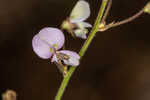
(73, 57)
(47, 43)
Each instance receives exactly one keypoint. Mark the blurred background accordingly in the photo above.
(115, 67)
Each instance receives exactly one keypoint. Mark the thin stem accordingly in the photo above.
(94, 29)
(82, 51)
(129, 19)
(114, 24)
(107, 11)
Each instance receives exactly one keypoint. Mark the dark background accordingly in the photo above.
(115, 67)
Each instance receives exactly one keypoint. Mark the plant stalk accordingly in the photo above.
(83, 50)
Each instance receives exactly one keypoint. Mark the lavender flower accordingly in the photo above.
(75, 23)
(47, 43)
(72, 58)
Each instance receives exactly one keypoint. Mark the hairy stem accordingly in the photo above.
(82, 51)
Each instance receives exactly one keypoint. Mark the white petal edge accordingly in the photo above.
(73, 57)
(80, 12)
(70, 53)
(72, 61)
(80, 33)
(83, 25)
(86, 24)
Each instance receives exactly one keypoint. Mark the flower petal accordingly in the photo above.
(72, 61)
(83, 36)
(54, 58)
(86, 24)
(53, 36)
(70, 53)
(73, 58)
(81, 33)
(80, 12)
(83, 25)
(41, 48)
